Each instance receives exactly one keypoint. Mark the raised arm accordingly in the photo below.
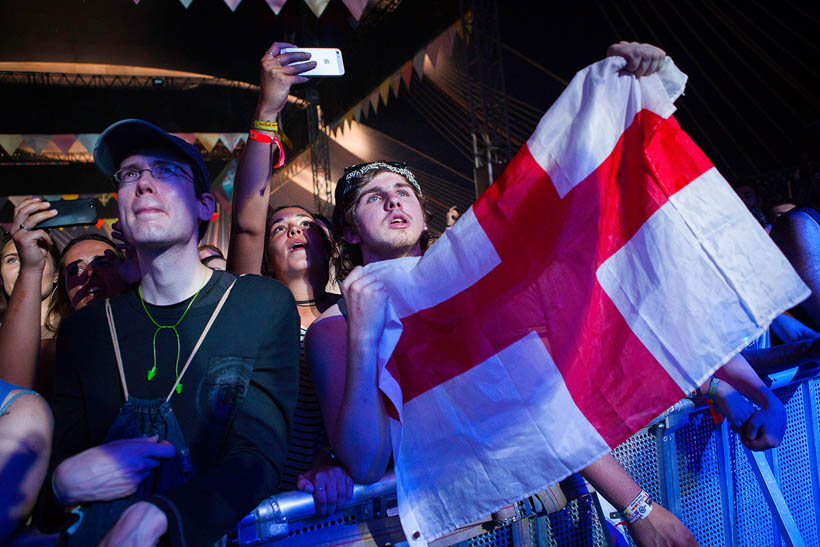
(251, 189)
(20, 332)
(342, 357)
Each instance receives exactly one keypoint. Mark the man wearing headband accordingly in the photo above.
(379, 215)
(174, 398)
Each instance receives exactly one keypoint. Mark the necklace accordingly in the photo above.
(310, 301)
(153, 371)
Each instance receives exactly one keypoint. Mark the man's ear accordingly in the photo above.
(207, 205)
(351, 235)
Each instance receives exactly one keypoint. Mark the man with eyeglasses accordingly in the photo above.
(173, 399)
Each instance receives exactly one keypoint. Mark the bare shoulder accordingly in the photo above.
(28, 417)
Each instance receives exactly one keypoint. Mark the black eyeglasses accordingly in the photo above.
(159, 171)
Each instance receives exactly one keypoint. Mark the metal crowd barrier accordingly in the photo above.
(700, 471)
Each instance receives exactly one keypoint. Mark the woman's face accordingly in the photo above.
(295, 244)
(10, 269)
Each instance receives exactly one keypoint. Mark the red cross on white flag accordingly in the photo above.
(608, 272)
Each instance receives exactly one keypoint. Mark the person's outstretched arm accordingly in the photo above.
(659, 528)
(251, 188)
(20, 331)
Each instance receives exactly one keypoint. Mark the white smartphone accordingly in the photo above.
(328, 60)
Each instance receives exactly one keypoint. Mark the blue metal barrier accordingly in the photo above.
(698, 470)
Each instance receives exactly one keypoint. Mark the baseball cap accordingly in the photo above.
(125, 137)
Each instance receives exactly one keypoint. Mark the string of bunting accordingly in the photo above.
(439, 47)
(79, 147)
(356, 7)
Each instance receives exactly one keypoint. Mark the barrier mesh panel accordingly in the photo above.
(577, 524)
(639, 456)
(754, 522)
(499, 537)
(698, 479)
(794, 465)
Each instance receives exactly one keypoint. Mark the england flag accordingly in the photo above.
(609, 271)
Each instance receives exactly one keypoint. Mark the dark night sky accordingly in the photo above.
(752, 97)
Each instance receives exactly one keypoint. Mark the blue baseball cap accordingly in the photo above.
(125, 137)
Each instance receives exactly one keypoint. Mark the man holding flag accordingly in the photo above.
(367, 395)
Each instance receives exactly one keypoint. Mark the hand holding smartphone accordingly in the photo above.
(328, 60)
(74, 212)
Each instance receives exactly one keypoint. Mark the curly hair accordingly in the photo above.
(348, 191)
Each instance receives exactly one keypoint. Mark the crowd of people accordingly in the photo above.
(179, 387)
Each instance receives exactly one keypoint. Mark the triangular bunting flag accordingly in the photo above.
(356, 7)
(77, 147)
(384, 90)
(37, 142)
(9, 143)
(64, 141)
(407, 73)
(190, 138)
(365, 107)
(208, 140)
(395, 83)
(88, 140)
(447, 42)
(374, 100)
(357, 112)
(230, 140)
(104, 198)
(418, 63)
(433, 49)
(51, 148)
(186, 3)
(348, 118)
(276, 5)
(317, 6)
(232, 4)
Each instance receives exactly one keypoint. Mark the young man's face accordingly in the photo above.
(160, 212)
(90, 271)
(389, 219)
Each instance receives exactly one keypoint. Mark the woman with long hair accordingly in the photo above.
(290, 246)
(29, 308)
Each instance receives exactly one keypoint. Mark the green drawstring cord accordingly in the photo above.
(153, 371)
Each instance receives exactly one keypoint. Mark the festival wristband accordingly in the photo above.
(265, 126)
(259, 137)
(638, 508)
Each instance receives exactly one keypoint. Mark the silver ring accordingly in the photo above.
(22, 226)
(272, 54)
